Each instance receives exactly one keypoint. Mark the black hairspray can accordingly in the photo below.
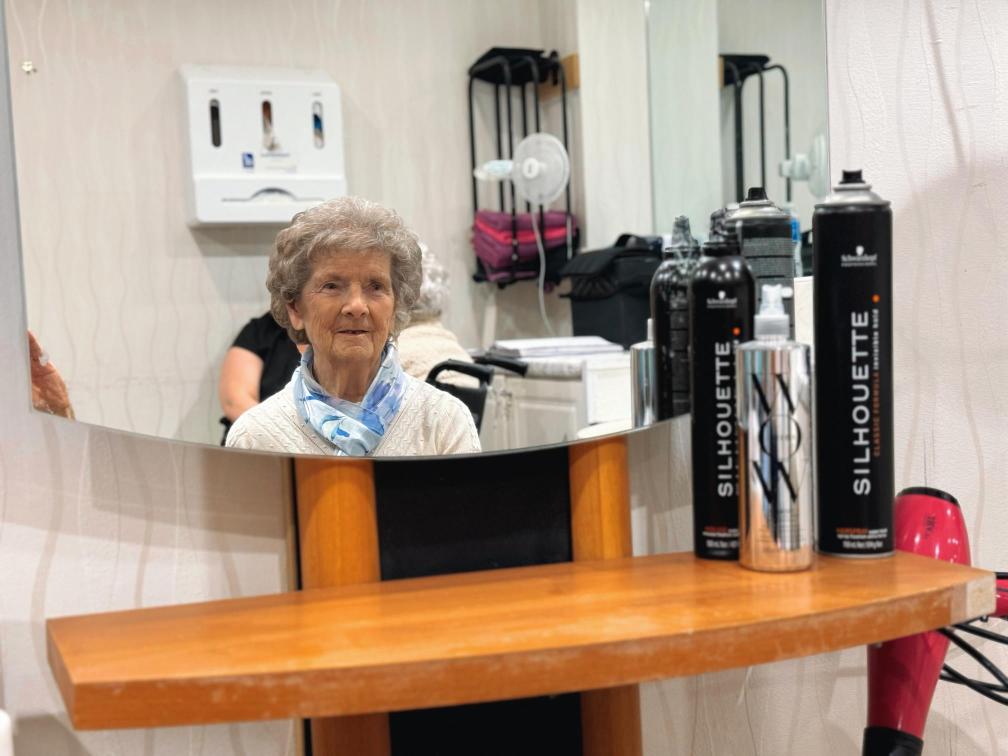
(721, 303)
(670, 315)
(852, 242)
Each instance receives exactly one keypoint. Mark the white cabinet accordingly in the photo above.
(557, 399)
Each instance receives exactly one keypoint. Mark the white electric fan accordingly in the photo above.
(539, 170)
(811, 166)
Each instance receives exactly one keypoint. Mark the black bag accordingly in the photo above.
(611, 289)
(628, 265)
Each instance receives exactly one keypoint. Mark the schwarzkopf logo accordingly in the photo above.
(723, 301)
(859, 259)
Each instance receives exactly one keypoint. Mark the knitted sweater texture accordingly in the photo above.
(429, 422)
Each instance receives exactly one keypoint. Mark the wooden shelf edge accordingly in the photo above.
(479, 678)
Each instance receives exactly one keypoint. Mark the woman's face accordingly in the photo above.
(347, 306)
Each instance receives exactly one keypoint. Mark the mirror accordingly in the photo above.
(747, 108)
(138, 305)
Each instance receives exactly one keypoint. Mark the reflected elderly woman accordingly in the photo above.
(343, 278)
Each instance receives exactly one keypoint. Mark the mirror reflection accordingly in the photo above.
(738, 100)
(461, 303)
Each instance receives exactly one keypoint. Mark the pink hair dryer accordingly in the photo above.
(903, 673)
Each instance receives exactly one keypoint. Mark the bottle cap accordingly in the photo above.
(772, 321)
(852, 190)
(757, 206)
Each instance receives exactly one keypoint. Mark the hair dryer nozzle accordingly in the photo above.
(885, 741)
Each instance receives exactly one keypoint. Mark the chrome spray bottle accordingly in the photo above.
(721, 300)
(670, 313)
(774, 389)
(852, 243)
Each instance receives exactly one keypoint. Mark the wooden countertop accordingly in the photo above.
(486, 635)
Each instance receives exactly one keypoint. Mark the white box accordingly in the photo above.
(264, 143)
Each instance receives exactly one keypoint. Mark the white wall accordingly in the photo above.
(685, 117)
(137, 309)
(614, 107)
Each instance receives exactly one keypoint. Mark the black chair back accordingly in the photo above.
(473, 397)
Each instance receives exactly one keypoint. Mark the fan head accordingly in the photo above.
(541, 168)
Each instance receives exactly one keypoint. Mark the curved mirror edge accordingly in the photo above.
(149, 438)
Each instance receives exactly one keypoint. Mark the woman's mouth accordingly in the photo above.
(352, 332)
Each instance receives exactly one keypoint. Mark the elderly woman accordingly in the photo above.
(342, 280)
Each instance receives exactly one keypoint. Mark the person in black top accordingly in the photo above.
(259, 363)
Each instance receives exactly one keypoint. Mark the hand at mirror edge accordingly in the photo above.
(49, 392)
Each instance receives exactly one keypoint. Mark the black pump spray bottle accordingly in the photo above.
(722, 301)
(670, 315)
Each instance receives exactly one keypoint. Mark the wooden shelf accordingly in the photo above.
(486, 635)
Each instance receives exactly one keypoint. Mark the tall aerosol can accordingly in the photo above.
(765, 238)
(670, 314)
(721, 303)
(852, 248)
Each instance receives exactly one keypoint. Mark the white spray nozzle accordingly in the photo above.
(772, 321)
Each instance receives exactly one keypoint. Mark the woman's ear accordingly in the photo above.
(295, 317)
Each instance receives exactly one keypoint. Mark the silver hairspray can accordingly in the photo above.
(774, 393)
(642, 375)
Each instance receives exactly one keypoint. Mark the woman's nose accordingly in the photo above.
(356, 304)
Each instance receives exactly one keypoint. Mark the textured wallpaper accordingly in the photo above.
(918, 98)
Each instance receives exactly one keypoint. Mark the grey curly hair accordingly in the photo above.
(434, 290)
(345, 223)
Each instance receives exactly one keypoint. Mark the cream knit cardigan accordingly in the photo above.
(429, 422)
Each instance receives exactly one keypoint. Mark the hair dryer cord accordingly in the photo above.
(984, 689)
(989, 690)
(982, 632)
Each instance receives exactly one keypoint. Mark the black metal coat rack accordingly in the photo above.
(737, 69)
(506, 70)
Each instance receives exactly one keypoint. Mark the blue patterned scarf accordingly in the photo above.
(355, 429)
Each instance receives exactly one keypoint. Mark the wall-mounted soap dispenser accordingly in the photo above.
(264, 143)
